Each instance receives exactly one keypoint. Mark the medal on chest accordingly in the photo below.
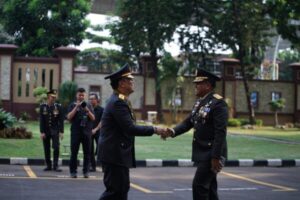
(203, 112)
(45, 110)
(55, 111)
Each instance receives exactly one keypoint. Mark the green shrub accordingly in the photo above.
(67, 93)
(25, 116)
(7, 120)
(258, 122)
(16, 132)
(40, 93)
(234, 122)
(243, 121)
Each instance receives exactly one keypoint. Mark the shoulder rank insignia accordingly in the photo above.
(121, 96)
(218, 96)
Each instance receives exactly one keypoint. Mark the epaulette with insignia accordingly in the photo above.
(121, 96)
(218, 96)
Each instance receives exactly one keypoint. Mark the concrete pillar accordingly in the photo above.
(296, 79)
(149, 100)
(229, 75)
(6, 65)
(66, 57)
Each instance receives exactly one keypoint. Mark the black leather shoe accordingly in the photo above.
(92, 169)
(47, 169)
(73, 175)
(57, 169)
(86, 175)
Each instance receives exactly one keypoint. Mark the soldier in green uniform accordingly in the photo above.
(52, 129)
(209, 120)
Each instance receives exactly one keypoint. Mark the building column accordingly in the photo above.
(66, 57)
(296, 79)
(6, 65)
(149, 98)
(229, 75)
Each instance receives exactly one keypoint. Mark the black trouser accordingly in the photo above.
(95, 138)
(205, 182)
(80, 136)
(116, 181)
(54, 136)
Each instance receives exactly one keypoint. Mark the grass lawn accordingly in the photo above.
(177, 148)
(292, 134)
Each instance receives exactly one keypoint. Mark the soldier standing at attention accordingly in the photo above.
(81, 116)
(209, 120)
(98, 110)
(51, 128)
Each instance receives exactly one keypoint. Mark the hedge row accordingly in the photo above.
(236, 122)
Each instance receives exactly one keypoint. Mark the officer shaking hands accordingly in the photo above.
(209, 120)
(51, 128)
(118, 129)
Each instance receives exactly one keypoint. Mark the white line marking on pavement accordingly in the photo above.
(147, 191)
(222, 189)
(237, 189)
(67, 176)
(182, 189)
(7, 175)
(277, 187)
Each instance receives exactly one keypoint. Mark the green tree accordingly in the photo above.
(287, 57)
(276, 106)
(67, 93)
(40, 93)
(5, 38)
(195, 39)
(244, 27)
(101, 60)
(286, 17)
(96, 38)
(169, 72)
(41, 25)
(144, 27)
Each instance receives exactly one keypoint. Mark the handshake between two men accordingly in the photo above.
(164, 132)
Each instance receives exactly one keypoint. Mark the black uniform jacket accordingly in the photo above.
(209, 120)
(81, 120)
(51, 118)
(98, 110)
(118, 128)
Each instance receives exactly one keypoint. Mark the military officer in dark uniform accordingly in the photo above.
(209, 120)
(81, 116)
(116, 142)
(98, 110)
(51, 128)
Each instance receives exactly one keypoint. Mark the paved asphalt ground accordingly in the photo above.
(19, 182)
